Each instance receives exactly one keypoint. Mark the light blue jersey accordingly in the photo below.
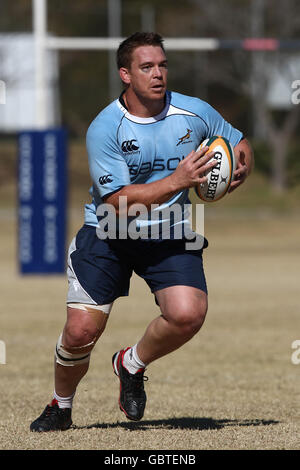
(124, 149)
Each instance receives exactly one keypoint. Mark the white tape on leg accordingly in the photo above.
(66, 358)
(87, 307)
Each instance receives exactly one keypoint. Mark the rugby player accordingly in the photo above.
(141, 147)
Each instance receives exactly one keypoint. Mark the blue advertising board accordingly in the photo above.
(42, 195)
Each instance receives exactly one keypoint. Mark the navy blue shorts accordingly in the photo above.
(103, 268)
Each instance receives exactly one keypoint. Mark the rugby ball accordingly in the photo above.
(221, 175)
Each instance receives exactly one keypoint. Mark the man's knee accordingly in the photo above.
(83, 328)
(85, 324)
(79, 334)
(189, 315)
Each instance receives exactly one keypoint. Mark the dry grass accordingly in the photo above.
(232, 387)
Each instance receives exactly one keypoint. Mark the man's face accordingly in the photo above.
(147, 75)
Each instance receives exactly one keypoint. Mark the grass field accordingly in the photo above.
(233, 386)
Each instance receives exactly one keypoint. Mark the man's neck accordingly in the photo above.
(140, 107)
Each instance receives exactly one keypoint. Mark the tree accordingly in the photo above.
(282, 22)
(249, 73)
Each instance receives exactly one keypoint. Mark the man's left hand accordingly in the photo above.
(242, 170)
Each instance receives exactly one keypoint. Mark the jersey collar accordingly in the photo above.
(140, 120)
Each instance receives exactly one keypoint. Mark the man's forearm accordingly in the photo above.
(189, 172)
(156, 192)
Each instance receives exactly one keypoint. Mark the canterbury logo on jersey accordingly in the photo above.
(105, 179)
(129, 146)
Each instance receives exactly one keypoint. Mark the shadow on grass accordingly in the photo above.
(180, 423)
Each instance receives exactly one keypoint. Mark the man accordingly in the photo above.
(141, 149)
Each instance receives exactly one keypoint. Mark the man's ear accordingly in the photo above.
(125, 75)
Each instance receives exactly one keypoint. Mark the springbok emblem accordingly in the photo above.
(185, 137)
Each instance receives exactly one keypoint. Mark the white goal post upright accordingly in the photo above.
(40, 35)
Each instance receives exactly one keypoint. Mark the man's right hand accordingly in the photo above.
(191, 170)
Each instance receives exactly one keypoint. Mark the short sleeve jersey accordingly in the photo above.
(124, 149)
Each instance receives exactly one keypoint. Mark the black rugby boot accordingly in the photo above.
(132, 399)
(53, 418)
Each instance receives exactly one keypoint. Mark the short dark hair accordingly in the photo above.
(137, 39)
